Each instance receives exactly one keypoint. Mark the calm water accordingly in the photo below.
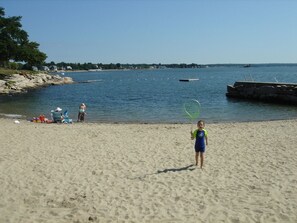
(156, 95)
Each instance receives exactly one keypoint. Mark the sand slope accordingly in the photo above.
(145, 173)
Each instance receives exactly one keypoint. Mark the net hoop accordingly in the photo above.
(192, 108)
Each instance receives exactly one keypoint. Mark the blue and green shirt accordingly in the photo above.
(200, 138)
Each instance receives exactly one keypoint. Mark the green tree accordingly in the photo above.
(14, 43)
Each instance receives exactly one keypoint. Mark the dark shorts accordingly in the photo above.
(199, 149)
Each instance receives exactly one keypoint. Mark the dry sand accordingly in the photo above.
(144, 173)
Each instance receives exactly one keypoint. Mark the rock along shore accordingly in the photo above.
(21, 83)
(281, 93)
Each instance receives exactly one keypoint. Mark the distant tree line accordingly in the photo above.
(118, 66)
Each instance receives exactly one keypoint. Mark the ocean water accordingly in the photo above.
(155, 96)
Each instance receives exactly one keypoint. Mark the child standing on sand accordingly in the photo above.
(201, 141)
(81, 112)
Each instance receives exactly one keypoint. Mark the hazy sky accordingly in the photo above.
(161, 31)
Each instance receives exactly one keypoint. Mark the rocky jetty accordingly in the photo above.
(281, 93)
(21, 83)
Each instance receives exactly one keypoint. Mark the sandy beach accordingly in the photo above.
(87, 172)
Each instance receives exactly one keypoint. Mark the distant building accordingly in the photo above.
(54, 68)
(45, 68)
(34, 68)
(68, 68)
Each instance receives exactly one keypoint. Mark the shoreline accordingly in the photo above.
(24, 118)
(145, 173)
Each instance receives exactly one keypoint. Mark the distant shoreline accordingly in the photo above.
(167, 66)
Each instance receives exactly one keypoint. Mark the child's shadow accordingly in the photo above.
(167, 170)
(176, 169)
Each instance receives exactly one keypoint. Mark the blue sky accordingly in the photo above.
(161, 31)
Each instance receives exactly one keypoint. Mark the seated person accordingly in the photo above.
(57, 115)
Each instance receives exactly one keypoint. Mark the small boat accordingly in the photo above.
(246, 65)
(89, 81)
(188, 80)
(94, 70)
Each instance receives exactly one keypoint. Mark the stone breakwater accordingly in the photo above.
(285, 93)
(21, 83)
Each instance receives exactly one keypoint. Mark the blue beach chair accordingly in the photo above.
(66, 119)
(57, 116)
